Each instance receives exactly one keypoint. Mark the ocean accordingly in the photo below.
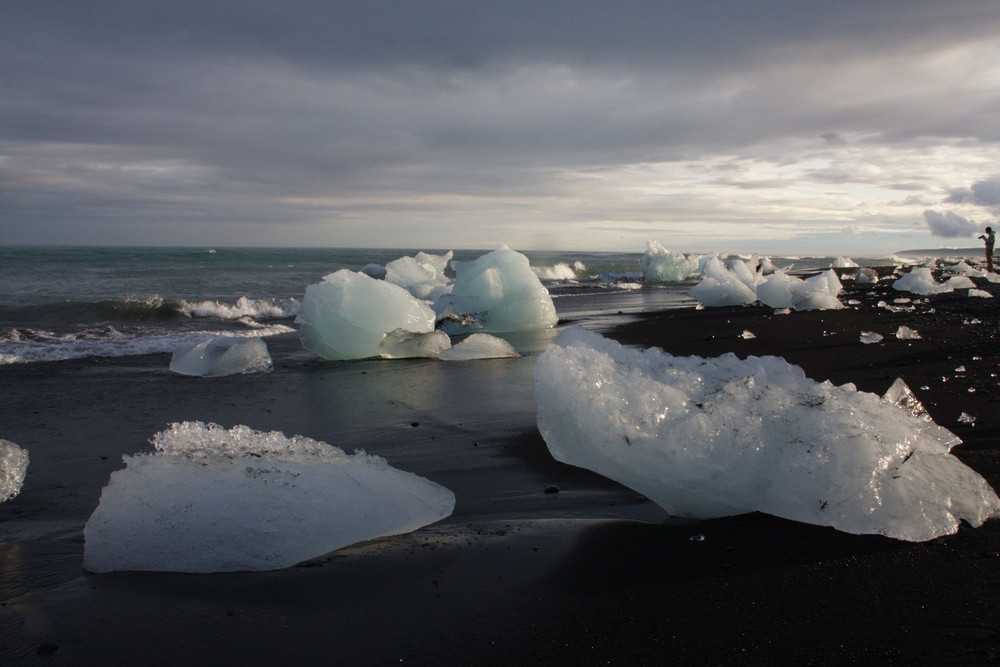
(71, 302)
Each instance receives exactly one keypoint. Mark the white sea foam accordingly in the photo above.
(256, 309)
(35, 346)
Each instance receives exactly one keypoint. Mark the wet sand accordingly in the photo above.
(591, 574)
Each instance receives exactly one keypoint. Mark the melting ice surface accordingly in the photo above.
(497, 292)
(216, 500)
(13, 466)
(715, 437)
(224, 355)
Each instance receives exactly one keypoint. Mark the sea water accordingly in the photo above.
(72, 302)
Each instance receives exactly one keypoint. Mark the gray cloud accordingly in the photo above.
(949, 225)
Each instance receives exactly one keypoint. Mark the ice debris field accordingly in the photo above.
(716, 437)
(210, 499)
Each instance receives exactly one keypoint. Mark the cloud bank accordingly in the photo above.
(774, 125)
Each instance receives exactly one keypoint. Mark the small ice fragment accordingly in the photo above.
(222, 355)
(403, 344)
(966, 418)
(906, 333)
(13, 466)
(902, 300)
(869, 337)
(700, 537)
(972, 390)
(479, 346)
(900, 394)
(974, 320)
(853, 302)
(960, 369)
(980, 293)
(210, 499)
(882, 304)
(747, 334)
(779, 311)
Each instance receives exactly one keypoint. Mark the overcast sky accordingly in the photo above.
(779, 127)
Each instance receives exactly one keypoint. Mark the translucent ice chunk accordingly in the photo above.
(223, 355)
(869, 337)
(402, 344)
(661, 265)
(347, 315)
(722, 436)
(13, 466)
(497, 292)
(216, 500)
(479, 346)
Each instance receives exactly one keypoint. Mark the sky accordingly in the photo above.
(780, 127)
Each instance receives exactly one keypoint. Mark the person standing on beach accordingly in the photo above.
(989, 237)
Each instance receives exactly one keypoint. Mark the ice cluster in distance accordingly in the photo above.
(216, 500)
(739, 284)
(348, 313)
(222, 355)
(714, 437)
(497, 292)
(13, 466)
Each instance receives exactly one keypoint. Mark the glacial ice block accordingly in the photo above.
(921, 281)
(661, 265)
(216, 500)
(497, 292)
(222, 355)
(479, 346)
(722, 436)
(348, 313)
(13, 466)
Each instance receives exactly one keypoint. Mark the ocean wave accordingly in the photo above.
(31, 345)
(243, 309)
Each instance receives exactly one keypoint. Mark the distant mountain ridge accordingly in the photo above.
(943, 252)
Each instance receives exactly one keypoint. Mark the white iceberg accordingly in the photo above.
(216, 500)
(715, 437)
(660, 265)
(13, 467)
(479, 346)
(497, 292)
(347, 315)
(844, 263)
(222, 355)
(402, 344)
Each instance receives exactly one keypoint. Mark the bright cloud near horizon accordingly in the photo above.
(852, 127)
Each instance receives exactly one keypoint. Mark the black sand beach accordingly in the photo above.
(590, 573)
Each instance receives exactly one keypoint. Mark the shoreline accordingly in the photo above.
(593, 573)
